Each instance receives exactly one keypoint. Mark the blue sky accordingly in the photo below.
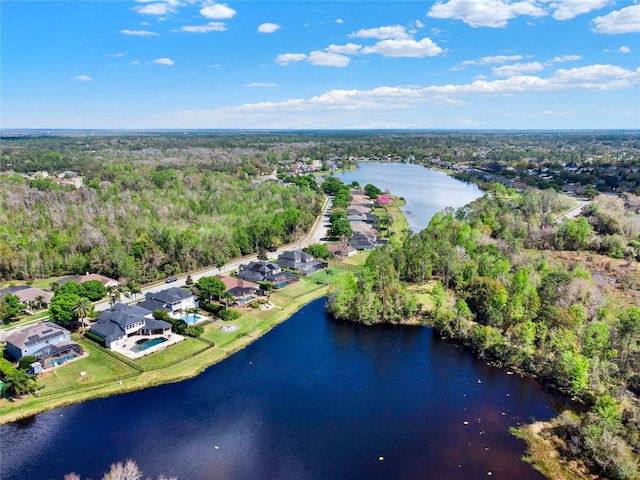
(447, 64)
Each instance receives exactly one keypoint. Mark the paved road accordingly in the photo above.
(317, 232)
(575, 211)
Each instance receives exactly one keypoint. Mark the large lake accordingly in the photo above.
(426, 191)
(312, 399)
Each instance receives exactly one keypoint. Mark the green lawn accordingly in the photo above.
(304, 286)
(423, 294)
(98, 366)
(171, 354)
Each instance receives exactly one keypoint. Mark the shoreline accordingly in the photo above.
(189, 368)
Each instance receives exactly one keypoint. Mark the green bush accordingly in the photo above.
(25, 362)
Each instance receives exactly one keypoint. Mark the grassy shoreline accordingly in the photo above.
(130, 379)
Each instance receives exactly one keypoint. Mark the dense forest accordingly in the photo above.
(538, 295)
(143, 220)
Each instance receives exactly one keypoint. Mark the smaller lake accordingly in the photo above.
(425, 191)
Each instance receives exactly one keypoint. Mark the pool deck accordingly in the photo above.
(125, 349)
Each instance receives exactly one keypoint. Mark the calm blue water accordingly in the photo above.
(426, 191)
(312, 399)
(191, 319)
(141, 347)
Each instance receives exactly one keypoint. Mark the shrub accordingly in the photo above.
(25, 362)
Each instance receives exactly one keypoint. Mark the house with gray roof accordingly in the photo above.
(121, 321)
(258, 271)
(299, 261)
(48, 342)
(175, 301)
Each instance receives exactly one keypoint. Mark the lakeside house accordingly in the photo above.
(239, 288)
(300, 261)
(122, 321)
(340, 250)
(51, 344)
(175, 301)
(258, 271)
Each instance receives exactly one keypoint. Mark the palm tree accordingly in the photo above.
(19, 383)
(81, 310)
(39, 301)
(115, 294)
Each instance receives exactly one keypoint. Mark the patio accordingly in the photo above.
(127, 349)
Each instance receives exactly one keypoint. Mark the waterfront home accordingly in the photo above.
(175, 301)
(49, 343)
(300, 261)
(122, 321)
(258, 271)
(240, 288)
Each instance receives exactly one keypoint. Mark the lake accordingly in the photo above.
(426, 191)
(312, 399)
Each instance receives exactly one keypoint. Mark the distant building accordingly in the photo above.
(300, 261)
(121, 321)
(175, 301)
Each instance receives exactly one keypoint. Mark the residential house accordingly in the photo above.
(340, 250)
(358, 210)
(240, 288)
(30, 296)
(106, 281)
(49, 343)
(121, 321)
(364, 241)
(258, 271)
(175, 301)
(300, 261)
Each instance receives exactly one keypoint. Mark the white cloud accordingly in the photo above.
(155, 9)
(135, 62)
(552, 113)
(339, 20)
(287, 58)
(163, 61)
(405, 48)
(489, 60)
(82, 78)
(568, 9)
(517, 69)
(260, 84)
(268, 27)
(624, 49)
(485, 13)
(114, 55)
(209, 27)
(217, 11)
(393, 32)
(349, 48)
(139, 33)
(328, 59)
(626, 20)
(363, 108)
(566, 58)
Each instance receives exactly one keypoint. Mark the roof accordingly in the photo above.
(261, 266)
(13, 290)
(106, 281)
(233, 282)
(112, 323)
(35, 334)
(296, 256)
(30, 294)
(170, 295)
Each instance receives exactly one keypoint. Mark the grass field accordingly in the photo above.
(172, 354)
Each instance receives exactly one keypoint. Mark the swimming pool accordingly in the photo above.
(281, 285)
(247, 299)
(146, 343)
(59, 361)
(191, 319)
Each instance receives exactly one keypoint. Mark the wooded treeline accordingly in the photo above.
(142, 221)
(507, 289)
